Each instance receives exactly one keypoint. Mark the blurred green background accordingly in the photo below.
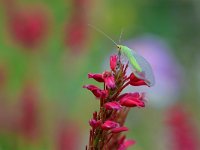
(47, 49)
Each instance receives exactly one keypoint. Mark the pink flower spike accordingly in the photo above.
(109, 125)
(109, 80)
(113, 62)
(93, 123)
(113, 106)
(97, 77)
(96, 91)
(119, 129)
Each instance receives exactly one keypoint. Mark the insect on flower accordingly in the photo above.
(107, 124)
(140, 66)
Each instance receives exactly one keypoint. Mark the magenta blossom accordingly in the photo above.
(119, 129)
(94, 123)
(112, 106)
(97, 77)
(76, 32)
(67, 136)
(109, 125)
(184, 134)
(29, 27)
(132, 100)
(109, 80)
(96, 91)
(29, 117)
(113, 62)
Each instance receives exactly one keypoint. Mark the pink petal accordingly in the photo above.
(124, 144)
(119, 129)
(113, 62)
(109, 80)
(129, 143)
(132, 100)
(94, 123)
(132, 103)
(96, 91)
(109, 125)
(97, 77)
(90, 87)
(112, 106)
(129, 95)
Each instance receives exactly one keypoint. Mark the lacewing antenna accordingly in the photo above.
(120, 37)
(100, 31)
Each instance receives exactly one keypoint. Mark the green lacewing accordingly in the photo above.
(141, 67)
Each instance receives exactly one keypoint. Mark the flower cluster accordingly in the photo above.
(28, 25)
(183, 132)
(107, 124)
(76, 33)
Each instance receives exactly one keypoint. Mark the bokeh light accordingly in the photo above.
(47, 49)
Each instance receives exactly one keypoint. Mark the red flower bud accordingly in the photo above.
(113, 62)
(94, 123)
(96, 91)
(76, 32)
(119, 129)
(132, 100)
(109, 80)
(97, 77)
(113, 106)
(109, 125)
(29, 27)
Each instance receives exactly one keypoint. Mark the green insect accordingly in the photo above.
(141, 67)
